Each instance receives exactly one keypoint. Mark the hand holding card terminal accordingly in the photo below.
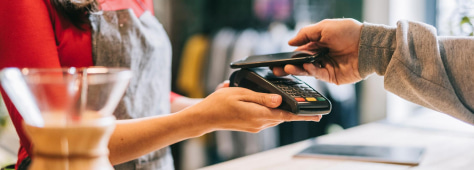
(298, 97)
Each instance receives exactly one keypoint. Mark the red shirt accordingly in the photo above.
(33, 34)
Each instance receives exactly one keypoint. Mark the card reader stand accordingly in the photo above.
(298, 97)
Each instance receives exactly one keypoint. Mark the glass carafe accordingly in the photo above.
(67, 113)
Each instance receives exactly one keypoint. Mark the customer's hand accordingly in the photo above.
(241, 109)
(340, 38)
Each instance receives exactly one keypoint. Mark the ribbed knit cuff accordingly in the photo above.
(377, 44)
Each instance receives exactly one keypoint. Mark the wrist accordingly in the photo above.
(182, 102)
(376, 46)
(196, 124)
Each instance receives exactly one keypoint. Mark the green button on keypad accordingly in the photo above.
(321, 99)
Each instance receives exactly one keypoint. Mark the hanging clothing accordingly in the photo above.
(190, 75)
(244, 46)
(218, 61)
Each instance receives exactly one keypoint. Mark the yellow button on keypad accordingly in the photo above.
(311, 99)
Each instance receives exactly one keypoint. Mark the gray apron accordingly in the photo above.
(120, 39)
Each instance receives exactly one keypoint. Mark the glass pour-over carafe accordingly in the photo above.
(67, 113)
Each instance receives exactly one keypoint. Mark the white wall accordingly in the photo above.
(373, 95)
(376, 11)
(414, 10)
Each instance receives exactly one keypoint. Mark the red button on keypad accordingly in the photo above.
(300, 99)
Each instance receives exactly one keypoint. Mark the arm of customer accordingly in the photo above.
(435, 72)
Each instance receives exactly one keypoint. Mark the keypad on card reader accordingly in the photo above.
(297, 96)
(297, 89)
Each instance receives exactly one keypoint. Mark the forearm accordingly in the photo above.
(421, 67)
(182, 102)
(134, 138)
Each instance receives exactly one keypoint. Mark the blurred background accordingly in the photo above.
(207, 35)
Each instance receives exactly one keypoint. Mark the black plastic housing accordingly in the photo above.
(260, 79)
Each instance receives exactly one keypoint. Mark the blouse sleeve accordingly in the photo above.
(174, 96)
(27, 38)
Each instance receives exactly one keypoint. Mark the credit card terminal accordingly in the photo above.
(298, 97)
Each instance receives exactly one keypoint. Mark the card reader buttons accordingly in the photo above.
(298, 90)
(321, 99)
(300, 99)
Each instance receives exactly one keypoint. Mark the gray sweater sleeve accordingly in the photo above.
(419, 66)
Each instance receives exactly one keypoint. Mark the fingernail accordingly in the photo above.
(275, 98)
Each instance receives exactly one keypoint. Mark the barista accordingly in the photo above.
(124, 33)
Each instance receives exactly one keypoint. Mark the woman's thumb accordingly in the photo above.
(264, 99)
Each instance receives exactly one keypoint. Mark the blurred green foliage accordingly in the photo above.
(466, 22)
(3, 113)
